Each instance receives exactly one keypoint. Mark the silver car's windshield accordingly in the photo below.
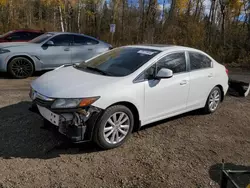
(42, 38)
(120, 61)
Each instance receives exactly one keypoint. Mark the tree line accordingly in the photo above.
(219, 27)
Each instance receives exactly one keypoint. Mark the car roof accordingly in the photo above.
(163, 47)
(57, 33)
(28, 30)
(80, 34)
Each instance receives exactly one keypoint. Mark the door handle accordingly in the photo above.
(210, 75)
(183, 82)
(66, 49)
(90, 49)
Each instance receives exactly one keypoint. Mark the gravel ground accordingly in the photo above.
(185, 151)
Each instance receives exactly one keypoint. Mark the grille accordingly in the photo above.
(43, 103)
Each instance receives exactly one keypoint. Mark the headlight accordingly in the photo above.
(2, 51)
(73, 103)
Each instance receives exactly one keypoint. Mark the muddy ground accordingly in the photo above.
(185, 151)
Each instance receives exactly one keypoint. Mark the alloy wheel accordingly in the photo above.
(21, 67)
(116, 127)
(214, 100)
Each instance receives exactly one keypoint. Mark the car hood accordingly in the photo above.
(70, 82)
(14, 44)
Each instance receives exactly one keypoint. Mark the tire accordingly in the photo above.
(20, 67)
(213, 100)
(101, 137)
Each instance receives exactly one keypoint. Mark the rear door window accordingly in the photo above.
(83, 40)
(199, 61)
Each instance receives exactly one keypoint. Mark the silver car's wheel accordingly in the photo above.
(20, 67)
(113, 127)
(116, 127)
(214, 100)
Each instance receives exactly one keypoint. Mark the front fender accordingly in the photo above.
(34, 58)
(134, 97)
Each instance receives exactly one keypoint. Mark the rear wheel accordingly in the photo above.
(213, 100)
(20, 67)
(114, 127)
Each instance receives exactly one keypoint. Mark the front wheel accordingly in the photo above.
(114, 127)
(20, 67)
(213, 100)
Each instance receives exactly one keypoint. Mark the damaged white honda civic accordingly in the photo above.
(107, 97)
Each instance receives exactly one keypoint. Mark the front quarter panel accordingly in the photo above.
(132, 93)
(31, 52)
(34, 58)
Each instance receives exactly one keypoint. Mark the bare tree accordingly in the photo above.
(61, 18)
(223, 14)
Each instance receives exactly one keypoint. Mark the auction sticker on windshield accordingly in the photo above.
(145, 52)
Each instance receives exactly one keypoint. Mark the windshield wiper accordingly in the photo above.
(98, 70)
(92, 69)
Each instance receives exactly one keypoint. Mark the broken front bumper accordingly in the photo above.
(76, 124)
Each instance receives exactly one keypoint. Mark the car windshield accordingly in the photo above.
(5, 34)
(41, 38)
(120, 61)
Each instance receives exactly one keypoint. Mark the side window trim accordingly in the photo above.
(211, 63)
(139, 77)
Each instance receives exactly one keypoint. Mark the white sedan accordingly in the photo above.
(112, 94)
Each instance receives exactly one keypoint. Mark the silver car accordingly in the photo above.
(48, 51)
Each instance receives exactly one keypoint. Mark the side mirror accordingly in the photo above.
(164, 73)
(49, 43)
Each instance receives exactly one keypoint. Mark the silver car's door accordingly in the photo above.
(83, 48)
(56, 51)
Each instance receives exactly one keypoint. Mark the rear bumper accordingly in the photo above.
(81, 132)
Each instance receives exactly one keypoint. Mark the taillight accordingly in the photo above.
(227, 71)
